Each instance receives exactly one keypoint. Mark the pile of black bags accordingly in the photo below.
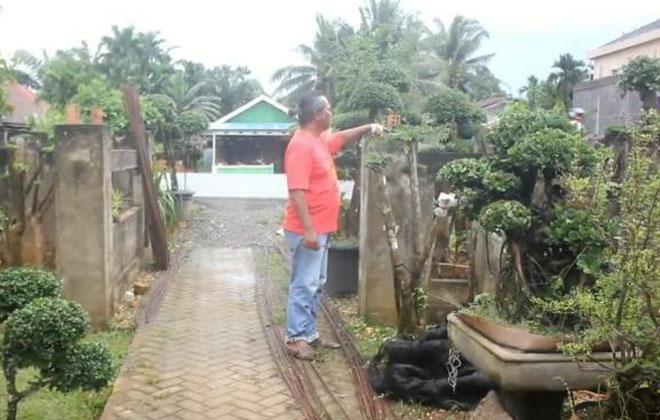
(417, 370)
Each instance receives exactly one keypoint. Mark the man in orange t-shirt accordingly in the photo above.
(312, 214)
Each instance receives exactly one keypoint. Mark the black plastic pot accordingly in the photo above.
(343, 262)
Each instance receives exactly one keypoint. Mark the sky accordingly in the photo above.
(526, 36)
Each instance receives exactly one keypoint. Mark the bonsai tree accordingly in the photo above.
(642, 74)
(410, 274)
(454, 108)
(20, 286)
(44, 332)
(517, 192)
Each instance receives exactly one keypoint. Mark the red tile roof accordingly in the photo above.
(24, 103)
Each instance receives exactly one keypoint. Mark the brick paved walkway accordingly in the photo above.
(205, 356)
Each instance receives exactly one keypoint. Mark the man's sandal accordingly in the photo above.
(301, 351)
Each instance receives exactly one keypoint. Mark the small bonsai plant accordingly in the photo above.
(44, 332)
(410, 274)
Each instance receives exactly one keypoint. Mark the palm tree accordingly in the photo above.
(569, 73)
(456, 47)
(377, 13)
(190, 98)
(234, 85)
(322, 58)
(135, 57)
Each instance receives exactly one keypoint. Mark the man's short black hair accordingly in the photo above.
(309, 105)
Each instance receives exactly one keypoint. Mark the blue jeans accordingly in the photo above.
(308, 274)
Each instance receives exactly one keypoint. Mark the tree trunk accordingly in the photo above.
(416, 221)
(15, 212)
(13, 396)
(353, 218)
(405, 304)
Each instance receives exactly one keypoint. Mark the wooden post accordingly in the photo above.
(157, 232)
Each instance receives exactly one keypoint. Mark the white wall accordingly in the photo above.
(242, 185)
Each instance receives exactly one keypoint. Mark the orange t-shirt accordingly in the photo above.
(309, 166)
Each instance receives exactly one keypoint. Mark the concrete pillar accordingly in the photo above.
(83, 215)
(376, 284)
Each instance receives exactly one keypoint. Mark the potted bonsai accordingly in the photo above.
(546, 191)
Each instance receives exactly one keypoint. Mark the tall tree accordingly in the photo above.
(456, 46)
(5, 76)
(568, 74)
(376, 14)
(540, 94)
(127, 56)
(323, 57)
(234, 86)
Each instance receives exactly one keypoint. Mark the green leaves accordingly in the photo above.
(510, 217)
(374, 95)
(518, 121)
(46, 327)
(452, 106)
(641, 73)
(86, 366)
(550, 151)
(476, 182)
(20, 286)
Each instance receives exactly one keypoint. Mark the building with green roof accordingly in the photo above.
(252, 138)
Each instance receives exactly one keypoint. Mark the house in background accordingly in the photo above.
(604, 104)
(252, 138)
(493, 107)
(24, 103)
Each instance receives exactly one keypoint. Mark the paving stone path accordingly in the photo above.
(204, 356)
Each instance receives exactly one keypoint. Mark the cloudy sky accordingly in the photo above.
(526, 36)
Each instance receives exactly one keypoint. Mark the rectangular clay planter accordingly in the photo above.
(517, 370)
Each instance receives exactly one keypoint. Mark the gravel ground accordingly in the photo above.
(235, 223)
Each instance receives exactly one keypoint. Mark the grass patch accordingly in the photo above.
(52, 405)
(370, 336)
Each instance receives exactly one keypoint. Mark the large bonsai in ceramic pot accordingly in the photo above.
(521, 191)
(582, 258)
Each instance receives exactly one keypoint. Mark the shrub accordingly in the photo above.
(46, 334)
(20, 286)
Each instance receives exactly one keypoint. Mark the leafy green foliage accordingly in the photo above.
(117, 200)
(583, 233)
(374, 95)
(45, 335)
(40, 331)
(19, 286)
(518, 121)
(5, 76)
(477, 182)
(551, 152)
(85, 365)
(452, 106)
(535, 189)
(641, 74)
(568, 74)
(622, 306)
(97, 92)
(62, 74)
(510, 217)
(350, 119)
